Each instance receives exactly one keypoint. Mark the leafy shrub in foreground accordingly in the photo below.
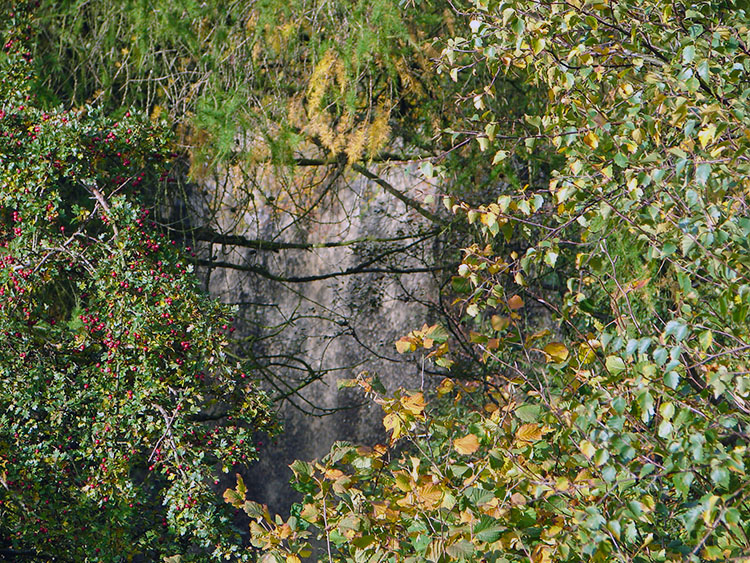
(118, 403)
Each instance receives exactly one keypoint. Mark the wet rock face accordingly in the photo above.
(304, 335)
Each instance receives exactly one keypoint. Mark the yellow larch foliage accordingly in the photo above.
(355, 148)
(379, 131)
(320, 79)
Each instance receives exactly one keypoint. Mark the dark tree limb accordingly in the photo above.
(207, 235)
(360, 269)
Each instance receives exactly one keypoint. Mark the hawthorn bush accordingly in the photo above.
(618, 428)
(118, 403)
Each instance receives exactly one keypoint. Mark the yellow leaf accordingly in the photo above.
(380, 509)
(404, 345)
(392, 423)
(488, 219)
(232, 497)
(284, 531)
(333, 474)
(414, 403)
(591, 140)
(637, 284)
(528, 433)
(440, 351)
(499, 323)
(587, 448)
(403, 482)
(718, 150)
(515, 302)
(708, 515)
(536, 336)
(556, 352)
(292, 559)
(446, 386)
(466, 445)
(626, 90)
(707, 135)
(429, 495)
(309, 513)
(467, 517)
(490, 407)
(541, 554)
(407, 501)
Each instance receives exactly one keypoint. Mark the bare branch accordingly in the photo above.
(409, 202)
(207, 235)
(360, 269)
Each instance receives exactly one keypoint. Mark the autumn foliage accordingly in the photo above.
(594, 398)
(609, 423)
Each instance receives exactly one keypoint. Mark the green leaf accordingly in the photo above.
(682, 481)
(660, 356)
(677, 329)
(720, 476)
(672, 379)
(460, 549)
(609, 473)
(362, 542)
(665, 429)
(550, 258)
(614, 527)
(619, 404)
(646, 470)
(615, 364)
(302, 470)
(688, 54)
(646, 404)
(703, 70)
(702, 173)
(499, 157)
(601, 456)
(488, 530)
(253, 509)
(528, 413)
(733, 516)
(75, 324)
(460, 285)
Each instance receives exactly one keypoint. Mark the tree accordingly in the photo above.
(118, 402)
(619, 432)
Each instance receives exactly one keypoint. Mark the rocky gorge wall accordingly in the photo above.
(319, 327)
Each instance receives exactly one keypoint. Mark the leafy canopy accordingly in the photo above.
(619, 431)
